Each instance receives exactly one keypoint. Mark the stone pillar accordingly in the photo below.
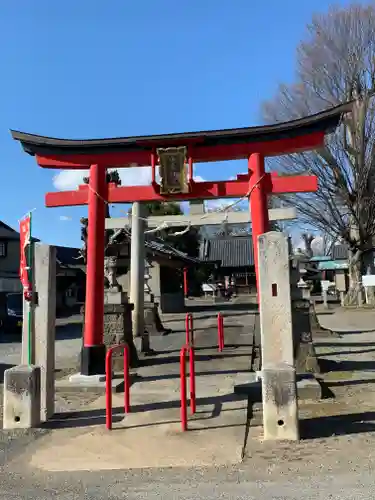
(44, 322)
(305, 360)
(325, 285)
(279, 392)
(21, 399)
(137, 273)
(118, 326)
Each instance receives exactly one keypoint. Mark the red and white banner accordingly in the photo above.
(25, 239)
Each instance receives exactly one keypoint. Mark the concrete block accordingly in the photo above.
(21, 400)
(280, 409)
(309, 389)
(115, 297)
(142, 344)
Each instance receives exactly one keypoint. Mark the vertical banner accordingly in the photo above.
(25, 244)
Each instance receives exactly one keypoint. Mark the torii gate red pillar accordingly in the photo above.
(258, 203)
(93, 349)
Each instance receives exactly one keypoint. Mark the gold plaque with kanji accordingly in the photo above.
(172, 170)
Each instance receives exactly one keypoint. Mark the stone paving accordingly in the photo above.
(216, 432)
(347, 320)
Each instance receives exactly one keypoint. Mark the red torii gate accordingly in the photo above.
(253, 143)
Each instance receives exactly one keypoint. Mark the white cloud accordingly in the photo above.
(65, 218)
(133, 176)
(66, 180)
(198, 178)
(220, 205)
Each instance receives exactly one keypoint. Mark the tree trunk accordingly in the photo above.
(354, 296)
(368, 268)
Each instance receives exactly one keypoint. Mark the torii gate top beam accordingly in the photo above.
(216, 145)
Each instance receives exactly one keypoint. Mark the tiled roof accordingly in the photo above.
(13, 234)
(232, 252)
(159, 246)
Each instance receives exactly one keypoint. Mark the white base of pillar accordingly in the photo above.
(280, 408)
(79, 379)
(21, 401)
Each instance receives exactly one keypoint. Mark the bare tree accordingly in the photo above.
(308, 239)
(336, 64)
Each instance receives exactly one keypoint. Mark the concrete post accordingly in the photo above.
(137, 268)
(21, 400)
(279, 392)
(44, 321)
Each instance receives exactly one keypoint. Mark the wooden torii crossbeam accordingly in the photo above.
(252, 143)
(210, 218)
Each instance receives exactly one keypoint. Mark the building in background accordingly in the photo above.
(70, 278)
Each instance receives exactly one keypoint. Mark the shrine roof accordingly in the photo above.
(325, 121)
(232, 251)
(159, 246)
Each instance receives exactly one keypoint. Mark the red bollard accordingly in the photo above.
(191, 330)
(108, 383)
(183, 409)
(220, 332)
(108, 390)
(126, 380)
(189, 338)
(187, 329)
(193, 405)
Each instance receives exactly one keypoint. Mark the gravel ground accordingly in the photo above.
(336, 463)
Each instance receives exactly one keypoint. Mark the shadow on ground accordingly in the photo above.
(175, 359)
(3, 367)
(88, 418)
(222, 307)
(328, 366)
(171, 376)
(344, 344)
(69, 331)
(344, 353)
(337, 425)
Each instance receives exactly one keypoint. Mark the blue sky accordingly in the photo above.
(90, 68)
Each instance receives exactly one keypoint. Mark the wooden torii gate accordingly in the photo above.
(253, 143)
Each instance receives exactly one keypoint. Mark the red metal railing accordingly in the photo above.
(189, 340)
(220, 332)
(183, 353)
(108, 382)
